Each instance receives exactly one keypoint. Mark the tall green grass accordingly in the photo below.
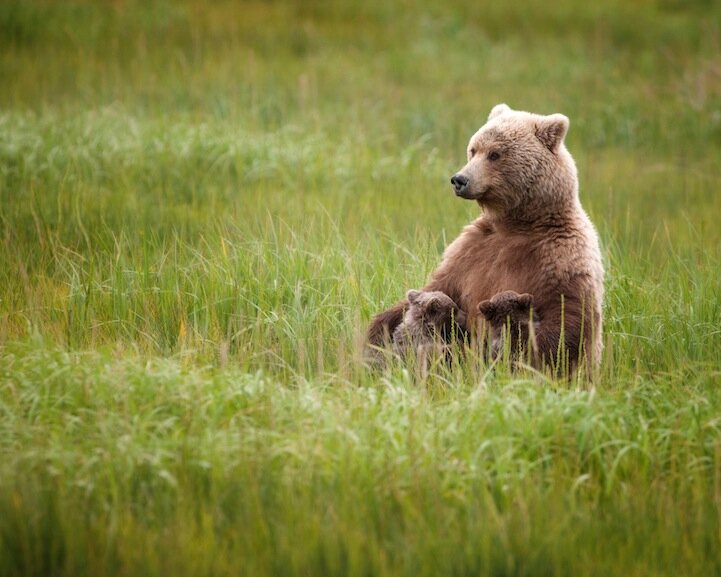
(202, 205)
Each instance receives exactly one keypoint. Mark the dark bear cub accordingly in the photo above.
(431, 323)
(511, 324)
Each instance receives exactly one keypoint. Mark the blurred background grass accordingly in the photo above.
(134, 131)
(202, 204)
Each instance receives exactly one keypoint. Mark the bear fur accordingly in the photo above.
(511, 325)
(532, 237)
(431, 323)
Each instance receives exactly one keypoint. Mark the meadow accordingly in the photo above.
(203, 203)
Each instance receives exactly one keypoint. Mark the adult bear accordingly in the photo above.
(533, 237)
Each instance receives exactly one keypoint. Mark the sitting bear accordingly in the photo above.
(431, 323)
(511, 324)
(532, 237)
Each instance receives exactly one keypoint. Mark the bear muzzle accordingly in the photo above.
(460, 184)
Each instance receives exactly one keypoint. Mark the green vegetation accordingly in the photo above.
(201, 206)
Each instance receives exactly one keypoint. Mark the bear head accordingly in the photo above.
(506, 305)
(433, 310)
(518, 165)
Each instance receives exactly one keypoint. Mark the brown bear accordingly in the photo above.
(512, 325)
(431, 323)
(533, 237)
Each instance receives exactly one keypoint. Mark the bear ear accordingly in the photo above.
(433, 306)
(413, 296)
(486, 308)
(551, 130)
(525, 301)
(499, 109)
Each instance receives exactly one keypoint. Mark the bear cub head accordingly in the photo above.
(509, 315)
(431, 322)
(432, 313)
(507, 305)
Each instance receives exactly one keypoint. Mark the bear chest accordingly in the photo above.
(493, 264)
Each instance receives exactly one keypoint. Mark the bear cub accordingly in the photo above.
(431, 322)
(508, 315)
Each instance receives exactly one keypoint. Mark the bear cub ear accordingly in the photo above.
(499, 109)
(487, 309)
(433, 306)
(413, 296)
(525, 301)
(551, 130)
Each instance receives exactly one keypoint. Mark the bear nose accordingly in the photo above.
(459, 183)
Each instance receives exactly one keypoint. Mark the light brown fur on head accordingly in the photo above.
(533, 237)
(511, 159)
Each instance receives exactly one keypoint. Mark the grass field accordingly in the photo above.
(201, 206)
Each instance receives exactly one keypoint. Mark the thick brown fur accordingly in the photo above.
(533, 237)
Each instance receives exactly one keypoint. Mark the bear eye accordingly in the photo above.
(473, 152)
(493, 155)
